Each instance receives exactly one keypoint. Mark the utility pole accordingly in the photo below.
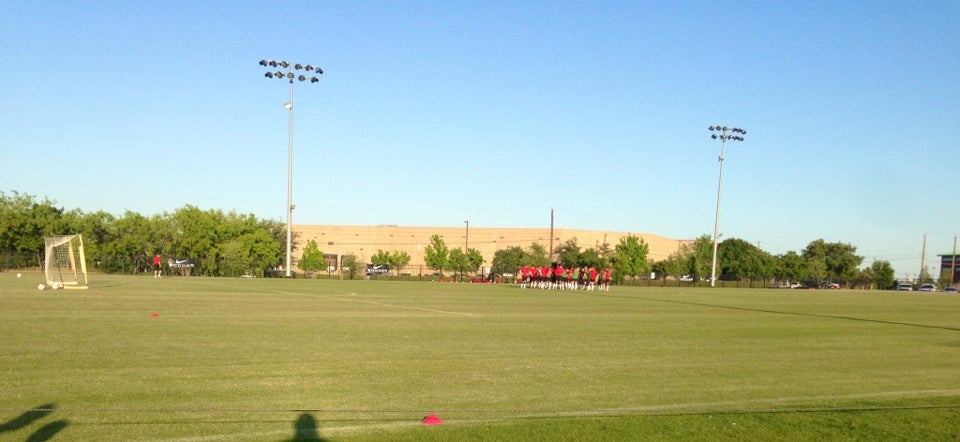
(953, 262)
(551, 234)
(923, 257)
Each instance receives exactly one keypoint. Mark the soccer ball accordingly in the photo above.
(19, 275)
(55, 285)
(41, 287)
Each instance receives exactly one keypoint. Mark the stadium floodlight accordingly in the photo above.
(289, 107)
(723, 133)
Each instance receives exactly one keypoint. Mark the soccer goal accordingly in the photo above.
(64, 264)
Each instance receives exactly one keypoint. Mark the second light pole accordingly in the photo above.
(723, 133)
(289, 107)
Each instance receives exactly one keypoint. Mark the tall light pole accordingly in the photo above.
(466, 240)
(723, 133)
(289, 74)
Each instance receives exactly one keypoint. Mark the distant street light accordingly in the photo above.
(279, 74)
(721, 133)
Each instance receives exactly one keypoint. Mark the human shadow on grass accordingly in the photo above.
(28, 418)
(305, 429)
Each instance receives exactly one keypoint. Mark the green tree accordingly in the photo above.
(236, 260)
(352, 266)
(605, 253)
(474, 260)
(863, 279)
(436, 254)
(944, 280)
(834, 261)
(591, 258)
(312, 260)
(883, 274)
(196, 236)
(569, 253)
(630, 258)
(702, 257)
(96, 228)
(130, 247)
(458, 262)
(740, 260)
(507, 260)
(24, 222)
(679, 262)
(537, 255)
(790, 267)
(380, 258)
(398, 260)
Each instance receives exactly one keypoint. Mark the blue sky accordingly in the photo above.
(432, 113)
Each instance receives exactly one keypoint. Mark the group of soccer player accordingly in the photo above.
(559, 278)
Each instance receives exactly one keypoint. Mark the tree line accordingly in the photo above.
(231, 244)
(222, 244)
(820, 261)
(737, 260)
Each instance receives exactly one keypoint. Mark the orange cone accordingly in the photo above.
(432, 420)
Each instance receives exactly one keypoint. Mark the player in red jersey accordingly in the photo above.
(605, 278)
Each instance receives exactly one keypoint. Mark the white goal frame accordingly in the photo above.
(65, 265)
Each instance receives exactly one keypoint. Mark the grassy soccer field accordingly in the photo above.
(203, 359)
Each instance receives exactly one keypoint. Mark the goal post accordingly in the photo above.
(64, 263)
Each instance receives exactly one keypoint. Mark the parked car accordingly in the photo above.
(905, 287)
(928, 288)
(950, 290)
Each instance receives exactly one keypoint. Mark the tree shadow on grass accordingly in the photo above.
(305, 429)
(27, 418)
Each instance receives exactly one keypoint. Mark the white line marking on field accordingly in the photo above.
(321, 432)
(352, 299)
(704, 407)
(513, 415)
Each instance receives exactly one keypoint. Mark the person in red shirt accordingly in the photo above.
(156, 266)
(605, 276)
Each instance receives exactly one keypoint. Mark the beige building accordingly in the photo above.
(364, 241)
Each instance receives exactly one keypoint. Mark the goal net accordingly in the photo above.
(64, 264)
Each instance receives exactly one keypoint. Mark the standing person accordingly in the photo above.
(156, 265)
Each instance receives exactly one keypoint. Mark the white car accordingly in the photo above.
(905, 287)
(928, 288)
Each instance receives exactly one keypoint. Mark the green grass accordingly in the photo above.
(258, 359)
